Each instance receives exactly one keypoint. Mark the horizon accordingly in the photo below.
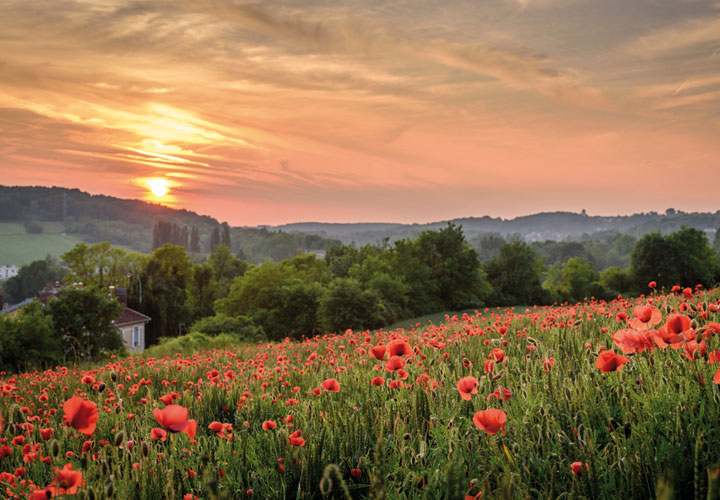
(348, 111)
(434, 221)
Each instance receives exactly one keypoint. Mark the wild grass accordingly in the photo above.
(649, 430)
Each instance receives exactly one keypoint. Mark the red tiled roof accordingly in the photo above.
(130, 316)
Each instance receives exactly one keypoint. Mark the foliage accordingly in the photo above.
(31, 279)
(33, 227)
(189, 344)
(86, 320)
(515, 275)
(346, 305)
(683, 258)
(241, 327)
(29, 340)
(165, 281)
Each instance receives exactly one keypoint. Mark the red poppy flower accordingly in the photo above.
(652, 284)
(331, 385)
(81, 414)
(608, 361)
(500, 393)
(630, 341)
(378, 352)
(395, 363)
(377, 381)
(399, 348)
(67, 481)
(175, 419)
(577, 467)
(295, 439)
(158, 433)
(645, 317)
(268, 425)
(490, 421)
(356, 473)
(488, 366)
(467, 386)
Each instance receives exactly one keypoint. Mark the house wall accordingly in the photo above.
(126, 332)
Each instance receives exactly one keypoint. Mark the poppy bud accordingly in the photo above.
(119, 439)
(205, 459)
(694, 323)
(101, 387)
(406, 436)
(54, 448)
(145, 449)
(421, 482)
(627, 429)
(109, 488)
(90, 494)
(613, 425)
(325, 485)
(113, 376)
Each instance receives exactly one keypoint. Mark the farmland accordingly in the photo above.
(589, 400)
(19, 248)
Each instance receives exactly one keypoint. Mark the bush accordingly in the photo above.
(190, 343)
(240, 327)
(29, 340)
(32, 227)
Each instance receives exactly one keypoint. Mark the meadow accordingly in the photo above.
(19, 248)
(592, 400)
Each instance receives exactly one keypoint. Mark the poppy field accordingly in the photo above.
(598, 400)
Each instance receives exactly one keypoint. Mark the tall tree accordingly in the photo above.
(165, 279)
(194, 240)
(214, 239)
(225, 236)
(515, 275)
(85, 318)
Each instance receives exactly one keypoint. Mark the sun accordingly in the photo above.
(159, 187)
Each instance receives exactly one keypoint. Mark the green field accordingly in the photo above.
(19, 248)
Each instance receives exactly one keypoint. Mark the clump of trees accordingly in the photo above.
(77, 325)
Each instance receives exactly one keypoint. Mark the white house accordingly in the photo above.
(132, 328)
(8, 272)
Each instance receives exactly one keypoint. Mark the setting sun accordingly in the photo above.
(159, 187)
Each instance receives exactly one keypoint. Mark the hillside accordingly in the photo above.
(36, 221)
(556, 226)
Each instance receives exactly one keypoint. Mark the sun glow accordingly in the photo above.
(158, 186)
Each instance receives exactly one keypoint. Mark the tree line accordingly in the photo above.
(359, 288)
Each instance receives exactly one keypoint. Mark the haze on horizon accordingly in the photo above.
(361, 110)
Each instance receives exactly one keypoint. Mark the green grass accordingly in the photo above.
(19, 248)
(649, 430)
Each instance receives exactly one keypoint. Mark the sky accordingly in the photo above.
(366, 110)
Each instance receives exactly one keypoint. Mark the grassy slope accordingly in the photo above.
(439, 317)
(18, 248)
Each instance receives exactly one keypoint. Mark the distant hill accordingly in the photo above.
(36, 221)
(556, 226)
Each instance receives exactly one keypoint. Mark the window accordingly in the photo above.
(136, 336)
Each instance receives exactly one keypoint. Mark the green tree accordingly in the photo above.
(32, 278)
(515, 275)
(201, 291)
(346, 305)
(454, 265)
(29, 340)
(683, 258)
(86, 320)
(226, 267)
(616, 281)
(579, 279)
(165, 279)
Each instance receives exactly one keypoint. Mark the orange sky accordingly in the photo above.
(366, 110)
